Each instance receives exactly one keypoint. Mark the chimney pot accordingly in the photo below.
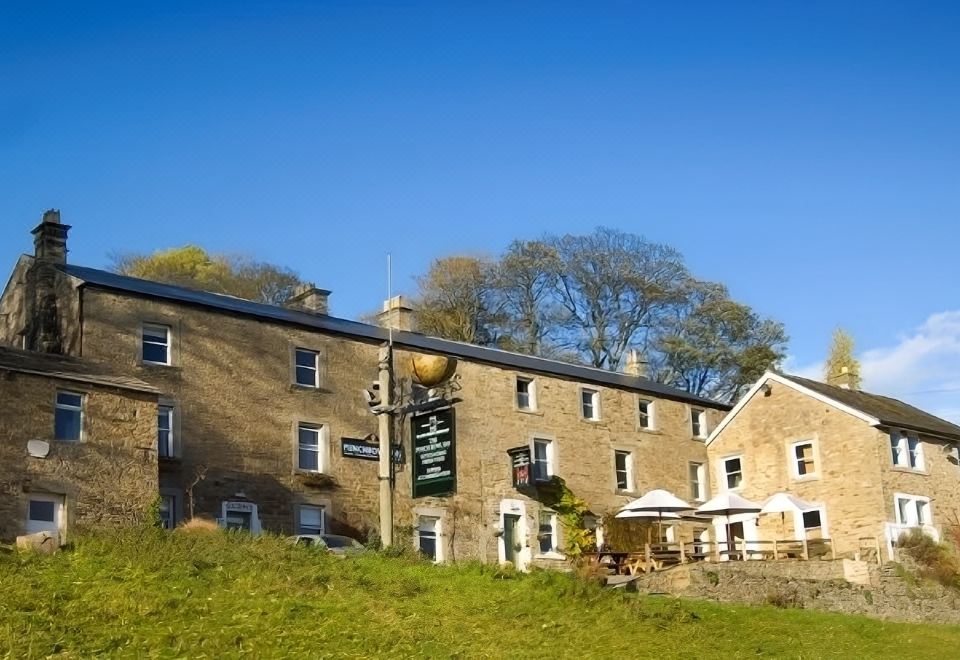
(397, 314)
(50, 238)
(637, 364)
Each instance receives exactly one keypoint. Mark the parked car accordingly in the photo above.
(333, 543)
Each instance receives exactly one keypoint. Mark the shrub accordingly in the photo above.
(784, 598)
(936, 561)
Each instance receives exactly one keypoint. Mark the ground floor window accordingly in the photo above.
(44, 513)
(311, 519)
(913, 510)
(547, 532)
(813, 524)
(427, 537)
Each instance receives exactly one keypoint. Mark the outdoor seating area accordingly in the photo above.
(724, 513)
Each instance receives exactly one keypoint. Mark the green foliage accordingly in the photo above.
(570, 511)
(194, 267)
(937, 561)
(150, 593)
(841, 359)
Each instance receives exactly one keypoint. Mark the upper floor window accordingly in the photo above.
(623, 469)
(307, 364)
(68, 416)
(804, 464)
(590, 403)
(698, 422)
(156, 344)
(906, 448)
(526, 394)
(645, 414)
(311, 450)
(698, 481)
(165, 431)
(543, 467)
(732, 472)
(912, 510)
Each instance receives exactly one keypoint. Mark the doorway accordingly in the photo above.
(510, 524)
(45, 514)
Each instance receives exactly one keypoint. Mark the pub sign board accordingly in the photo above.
(366, 450)
(520, 467)
(434, 453)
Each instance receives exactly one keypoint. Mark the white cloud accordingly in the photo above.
(922, 368)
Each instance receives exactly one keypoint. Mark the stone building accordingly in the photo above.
(76, 444)
(264, 423)
(868, 466)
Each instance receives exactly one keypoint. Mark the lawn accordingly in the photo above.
(147, 593)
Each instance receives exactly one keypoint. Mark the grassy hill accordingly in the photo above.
(147, 593)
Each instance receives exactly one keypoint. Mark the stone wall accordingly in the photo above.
(109, 477)
(818, 585)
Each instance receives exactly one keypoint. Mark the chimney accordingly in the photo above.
(637, 364)
(844, 378)
(50, 239)
(308, 298)
(396, 314)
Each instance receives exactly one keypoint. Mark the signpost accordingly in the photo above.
(520, 466)
(434, 453)
(366, 450)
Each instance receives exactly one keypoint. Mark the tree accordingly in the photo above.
(455, 300)
(841, 360)
(194, 267)
(523, 283)
(713, 346)
(613, 286)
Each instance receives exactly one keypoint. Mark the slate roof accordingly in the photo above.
(890, 412)
(363, 331)
(68, 368)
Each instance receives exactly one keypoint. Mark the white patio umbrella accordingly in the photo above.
(725, 505)
(658, 503)
(785, 503)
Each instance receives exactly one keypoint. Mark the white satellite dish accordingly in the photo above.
(38, 448)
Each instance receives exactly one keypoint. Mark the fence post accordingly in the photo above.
(806, 548)
(683, 554)
(646, 550)
(716, 550)
(743, 549)
(776, 552)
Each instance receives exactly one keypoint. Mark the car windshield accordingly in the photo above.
(339, 542)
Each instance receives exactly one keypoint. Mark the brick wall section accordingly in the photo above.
(109, 477)
(231, 383)
(855, 475)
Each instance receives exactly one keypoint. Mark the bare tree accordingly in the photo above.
(455, 300)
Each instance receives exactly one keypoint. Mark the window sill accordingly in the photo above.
(909, 470)
(295, 387)
(651, 431)
(529, 411)
(550, 555)
(627, 493)
(591, 421)
(169, 459)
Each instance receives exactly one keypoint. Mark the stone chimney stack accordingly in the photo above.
(50, 239)
(308, 298)
(397, 314)
(844, 378)
(637, 364)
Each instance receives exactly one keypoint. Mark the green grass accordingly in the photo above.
(144, 593)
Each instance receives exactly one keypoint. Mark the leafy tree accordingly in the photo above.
(523, 282)
(712, 345)
(841, 357)
(456, 300)
(194, 267)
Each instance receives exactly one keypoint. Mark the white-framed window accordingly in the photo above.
(543, 467)
(311, 447)
(802, 459)
(698, 481)
(526, 394)
(68, 416)
(906, 449)
(311, 519)
(590, 403)
(814, 526)
(306, 367)
(547, 532)
(44, 513)
(912, 510)
(168, 511)
(623, 469)
(428, 537)
(732, 472)
(165, 432)
(646, 414)
(698, 422)
(155, 348)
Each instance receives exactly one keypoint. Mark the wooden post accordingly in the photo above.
(806, 549)
(716, 550)
(743, 549)
(683, 554)
(646, 549)
(776, 552)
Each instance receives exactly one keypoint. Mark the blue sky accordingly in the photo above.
(805, 154)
